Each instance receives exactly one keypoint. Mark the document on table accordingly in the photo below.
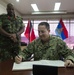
(29, 64)
(57, 63)
(24, 65)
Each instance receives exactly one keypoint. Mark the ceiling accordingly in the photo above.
(24, 6)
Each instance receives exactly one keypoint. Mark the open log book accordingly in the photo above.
(28, 65)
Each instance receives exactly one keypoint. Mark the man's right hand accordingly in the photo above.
(13, 37)
(18, 59)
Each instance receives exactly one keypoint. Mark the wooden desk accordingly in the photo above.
(65, 71)
(6, 69)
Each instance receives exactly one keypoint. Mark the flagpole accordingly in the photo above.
(30, 29)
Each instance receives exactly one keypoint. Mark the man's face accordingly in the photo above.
(10, 10)
(43, 32)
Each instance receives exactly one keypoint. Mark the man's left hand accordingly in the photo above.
(69, 63)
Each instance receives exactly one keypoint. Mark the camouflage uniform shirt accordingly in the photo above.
(7, 46)
(54, 49)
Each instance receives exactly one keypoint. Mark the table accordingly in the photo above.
(6, 69)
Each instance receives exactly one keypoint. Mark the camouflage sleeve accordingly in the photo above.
(64, 51)
(22, 22)
(0, 21)
(21, 19)
(28, 51)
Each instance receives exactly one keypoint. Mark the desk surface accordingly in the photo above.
(6, 69)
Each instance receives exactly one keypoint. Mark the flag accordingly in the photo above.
(29, 33)
(61, 30)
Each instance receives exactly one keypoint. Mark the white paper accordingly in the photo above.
(29, 64)
(57, 63)
(24, 65)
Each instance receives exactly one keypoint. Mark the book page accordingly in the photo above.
(24, 65)
(57, 63)
(29, 64)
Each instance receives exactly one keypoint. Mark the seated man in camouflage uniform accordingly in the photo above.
(11, 27)
(47, 47)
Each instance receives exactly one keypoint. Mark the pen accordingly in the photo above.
(32, 56)
(18, 56)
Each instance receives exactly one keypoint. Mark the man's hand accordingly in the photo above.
(18, 59)
(13, 37)
(69, 63)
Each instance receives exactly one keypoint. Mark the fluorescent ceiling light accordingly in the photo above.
(57, 6)
(34, 6)
(17, 0)
(50, 12)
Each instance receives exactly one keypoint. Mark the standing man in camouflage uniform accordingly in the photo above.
(47, 47)
(11, 27)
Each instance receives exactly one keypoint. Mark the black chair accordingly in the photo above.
(44, 70)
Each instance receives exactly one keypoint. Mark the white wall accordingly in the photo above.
(3, 8)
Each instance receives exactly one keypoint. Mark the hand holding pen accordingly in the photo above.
(18, 59)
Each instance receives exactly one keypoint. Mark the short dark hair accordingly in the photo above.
(9, 5)
(44, 24)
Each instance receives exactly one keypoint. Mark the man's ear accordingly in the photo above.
(49, 30)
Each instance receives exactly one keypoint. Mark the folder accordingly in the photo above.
(45, 70)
